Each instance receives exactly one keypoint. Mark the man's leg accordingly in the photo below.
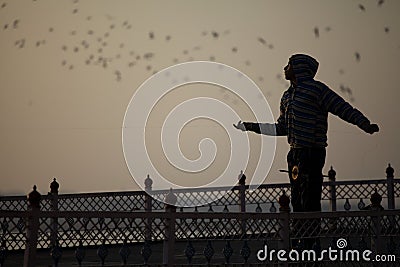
(294, 184)
(295, 193)
(313, 161)
(312, 187)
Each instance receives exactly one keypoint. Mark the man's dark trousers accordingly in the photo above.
(306, 189)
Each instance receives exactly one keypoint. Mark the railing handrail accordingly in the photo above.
(196, 215)
(188, 190)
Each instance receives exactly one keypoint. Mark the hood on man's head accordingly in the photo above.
(304, 66)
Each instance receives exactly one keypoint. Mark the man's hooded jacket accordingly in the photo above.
(304, 108)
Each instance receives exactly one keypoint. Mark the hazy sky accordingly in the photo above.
(69, 69)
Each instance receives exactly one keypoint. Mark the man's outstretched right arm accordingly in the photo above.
(274, 129)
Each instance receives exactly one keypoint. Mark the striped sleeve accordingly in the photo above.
(261, 128)
(336, 105)
(274, 129)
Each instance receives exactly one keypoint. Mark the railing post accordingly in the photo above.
(169, 241)
(332, 188)
(242, 198)
(32, 228)
(390, 187)
(148, 182)
(54, 206)
(376, 240)
(242, 191)
(284, 231)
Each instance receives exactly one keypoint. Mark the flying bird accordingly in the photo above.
(118, 74)
(361, 7)
(15, 23)
(261, 40)
(148, 55)
(387, 29)
(380, 2)
(358, 56)
(316, 32)
(215, 34)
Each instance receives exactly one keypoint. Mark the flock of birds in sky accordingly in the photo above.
(93, 47)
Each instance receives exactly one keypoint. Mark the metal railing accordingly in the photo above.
(242, 221)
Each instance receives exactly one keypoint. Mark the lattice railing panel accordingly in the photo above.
(218, 197)
(208, 228)
(325, 195)
(13, 232)
(14, 203)
(100, 202)
(356, 226)
(266, 194)
(397, 188)
(266, 229)
(227, 228)
(133, 201)
(229, 198)
(72, 231)
(390, 225)
(357, 191)
(157, 202)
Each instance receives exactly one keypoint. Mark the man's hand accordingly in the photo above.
(240, 126)
(370, 128)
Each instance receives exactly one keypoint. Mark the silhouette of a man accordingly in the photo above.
(303, 119)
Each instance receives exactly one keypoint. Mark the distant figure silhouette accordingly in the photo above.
(303, 119)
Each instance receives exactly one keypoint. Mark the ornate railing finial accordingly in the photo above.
(148, 183)
(34, 198)
(376, 199)
(389, 171)
(332, 174)
(284, 202)
(242, 178)
(54, 186)
(171, 199)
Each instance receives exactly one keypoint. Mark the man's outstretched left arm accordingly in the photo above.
(335, 104)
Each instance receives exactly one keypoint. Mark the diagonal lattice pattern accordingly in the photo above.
(91, 231)
(322, 227)
(390, 225)
(227, 228)
(397, 188)
(266, 193)
(12, 232)
(102, 202)
(360, 190)
(135, 200)
(13, 203)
